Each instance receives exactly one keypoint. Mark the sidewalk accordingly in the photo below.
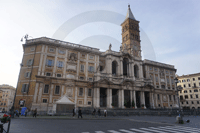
(85, 117)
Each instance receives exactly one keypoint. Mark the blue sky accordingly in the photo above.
(170, 28)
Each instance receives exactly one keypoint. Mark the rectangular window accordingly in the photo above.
(158, 96)
(61, 51)
(27, 74)
(46, 89)
(197, 96)
(60, 64)
(185, 91)
(49, 62)
(82, 68)
(170, 97)
(25, 88)
(33, 49)
(171, 72)
(174, 97)
(193, 79)
(195, 85)
(81, 78)
(150, 68)
(48, 74)
(186, 96)
(90, 68)
(195, 90)
(166, 71)
(191, 96)
(90, 79)
(198, 78)
(189, 85)
(44, 100)
(51, 49)
(91, 57)
(155, 69)
(80, 91)
(89, 92)
(58, 75)
(167, 80)
(172, 81)
(29, 62)
(57, 90)
(4, 103)
(184, 86)
(188, 80)
(89, 103)
(183, 80)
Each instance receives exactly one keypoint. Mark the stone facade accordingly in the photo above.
(190, 95)
(7, 94)
(90, 78)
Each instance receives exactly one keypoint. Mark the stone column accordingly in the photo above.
(65, 65)
(44, 62)
(119, 98)
(62, 91)
(172, 100)
(153, 100)
(98, 98)
(40, 93)
(140, 71)
(109, 97)
(135, 99)
(85, 97)
(75, 101)
(51, 93)
(36, 91)
(161, 100)
(41, 58)
(54, 68)
(143, 99)
(121, 67)
(94, 97)
(168, 101)
(156, 100)
(77, 67)
(122, 98)
(159, 81)
(131, 97)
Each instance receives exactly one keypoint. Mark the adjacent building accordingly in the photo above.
(7, 94)
(190, 95)
(88, 77)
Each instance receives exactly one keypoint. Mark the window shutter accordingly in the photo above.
(29, 74)
(52, 64)
(47, 60)
(23, 86)
(27, 63)
(27, 86)
(31, 62)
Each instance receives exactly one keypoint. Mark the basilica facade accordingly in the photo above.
(52, 69)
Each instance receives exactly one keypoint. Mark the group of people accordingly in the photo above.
(93, 113)
(18, 113)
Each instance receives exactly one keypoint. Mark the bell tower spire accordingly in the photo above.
(131, 35)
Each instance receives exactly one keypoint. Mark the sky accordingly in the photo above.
(170, 30)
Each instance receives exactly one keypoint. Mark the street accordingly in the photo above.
(94, 126)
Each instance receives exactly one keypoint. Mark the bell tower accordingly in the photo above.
(131, 35)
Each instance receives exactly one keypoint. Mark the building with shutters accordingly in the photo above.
(7, 94)
(91, 78)
(190, 95)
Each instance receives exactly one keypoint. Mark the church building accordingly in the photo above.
(52, 69)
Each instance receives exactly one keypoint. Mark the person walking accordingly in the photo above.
(35, 113)
(26, 111)
(73, 112)
(94, 112)
(105, 112)
(80, 113)
(99, 112)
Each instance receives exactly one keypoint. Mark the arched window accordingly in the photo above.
(125, 66)
(136, 71)
(114, 68)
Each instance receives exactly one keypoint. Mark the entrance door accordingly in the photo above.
(103, 97)
(138, 99)
(115, 97)
(147, 103)
(127, 100)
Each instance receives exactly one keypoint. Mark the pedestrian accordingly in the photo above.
(35, 113)
(74, 112)
(80, 113)
(94, 112)
(99, 112)
(105, 112)
(26, 111)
